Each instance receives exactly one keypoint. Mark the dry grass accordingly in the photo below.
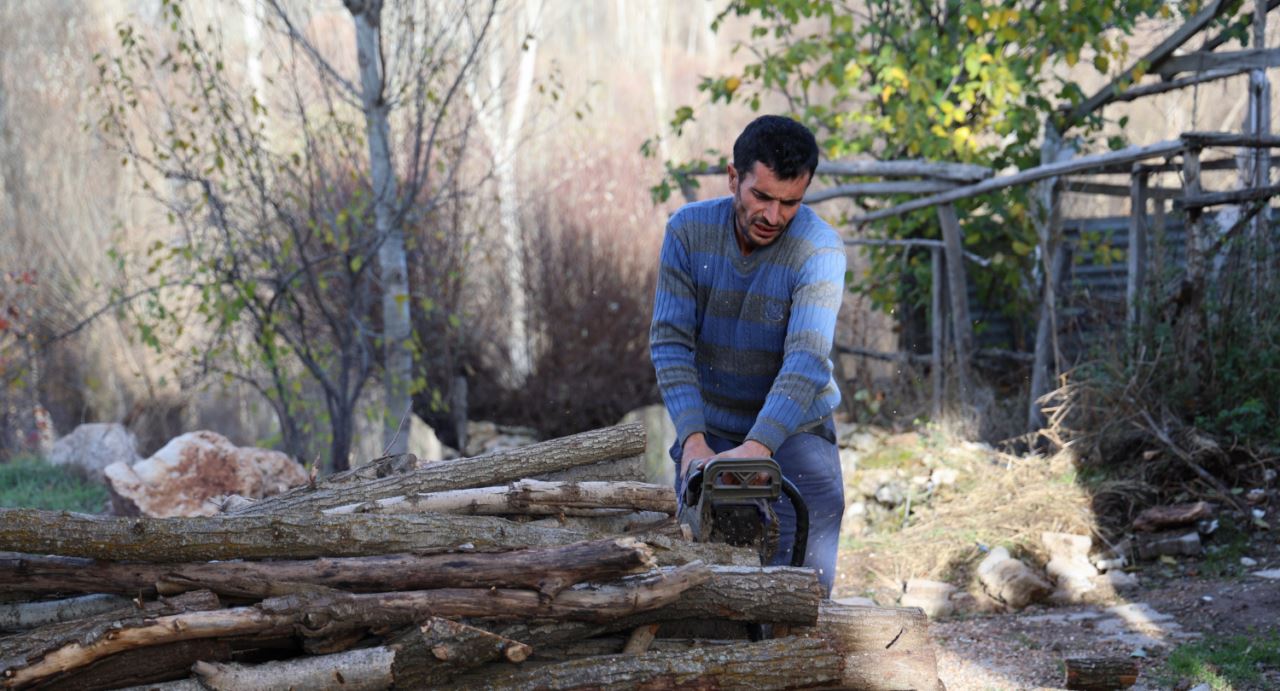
(998, 499)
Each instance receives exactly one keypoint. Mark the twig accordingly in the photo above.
(387, 449)
(1180, 454)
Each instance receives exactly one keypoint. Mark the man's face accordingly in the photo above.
(763, 204)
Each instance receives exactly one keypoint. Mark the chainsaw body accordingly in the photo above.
(731, 501)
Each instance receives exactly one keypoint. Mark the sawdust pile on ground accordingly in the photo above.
(997, 499)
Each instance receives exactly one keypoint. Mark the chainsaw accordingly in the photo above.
(730, 500)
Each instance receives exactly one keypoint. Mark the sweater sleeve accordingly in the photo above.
(806, 367)
(672, 337)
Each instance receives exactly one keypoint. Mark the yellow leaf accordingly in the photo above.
(1101, 63)
(974, 24)
(1072, 58)
(401, 299)
(886, 93)
(731, 84)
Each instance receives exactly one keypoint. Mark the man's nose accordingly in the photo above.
(773, 213)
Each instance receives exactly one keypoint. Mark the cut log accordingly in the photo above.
(883, 648)
(528, 497)
(160, 663)
(19, 649)
(777, 664)
(614, 645)
(368, 669)
(1164, 517)
(1100, 673)
(18, 616)
(606, 444)
(433, 654)
(297, 536)
(640, 640)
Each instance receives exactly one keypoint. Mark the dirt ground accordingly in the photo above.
(1178, 601)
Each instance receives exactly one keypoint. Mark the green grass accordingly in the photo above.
(1226, 663)
(29, 482)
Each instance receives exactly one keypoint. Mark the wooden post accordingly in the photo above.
(937, 325)
(1049, 228)
(1191, 322)
(1137, 247)
(958, 287)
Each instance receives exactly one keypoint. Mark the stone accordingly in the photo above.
(891, 493)
(660, 436)
(1165, 517)
(1010, 581)
(423, 441)
(188, 476)
(1067, 545)
(934, 597)
(484, 436)
(944, 477)
(93, 446)
(849, 460)
(1269, 574)
(1170, 543)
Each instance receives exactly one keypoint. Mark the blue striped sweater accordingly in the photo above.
(741, 345)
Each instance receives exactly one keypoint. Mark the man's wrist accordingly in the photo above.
(756, 447)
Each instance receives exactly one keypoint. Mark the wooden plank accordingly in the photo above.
(1137, 254)
(1080, 164)
(1202, 61)
(1134, 93)
(1153, 59)
(877, 189)
(1248, 194)
(937, 318)
(907, 168)
(1080, 187)
(1204, 140)
(958, 289)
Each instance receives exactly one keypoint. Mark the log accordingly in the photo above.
(433, 654)
(606, 444)
(159, 663)
(1100, 673)
(883, 648)
(640, 640)
(368, 669)
(297, 536)
(777, 664)
(628, 469)
(528, 497)
(19, 649)
(18, 616)
(1171, 516)
(1204, 61)
(614, 645)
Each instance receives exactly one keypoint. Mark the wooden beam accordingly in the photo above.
(1246, 20)
(908, 168)
(1134, 93)
(1152, 60)
(877, 189)
(1204, 140)
(957, 288)
(1079, 187)
(915, 242)
(1080, 164)
(1201, 61)
(937, 320)
(1248, 194)
(1137, 254)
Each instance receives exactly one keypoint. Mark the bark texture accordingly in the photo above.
(367, 669)
(160, 663)
(528, 497)
(595, 446)
(18, 616)
(434, 653)
(1100, 673)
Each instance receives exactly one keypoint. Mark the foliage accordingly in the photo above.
(946, 80)
(31, 482)
(20, 423)
(1223, 662)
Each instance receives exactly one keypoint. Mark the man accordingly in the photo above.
(743, 321)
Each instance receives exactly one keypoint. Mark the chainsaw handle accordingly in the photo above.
(800, 544)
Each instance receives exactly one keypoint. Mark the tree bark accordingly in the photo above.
(528, 497)
(29, 615)
(783, 663)
(958, 290)
(433, 654)
(1100, 673)
(368, 669)
(478, 471)
(160, 663)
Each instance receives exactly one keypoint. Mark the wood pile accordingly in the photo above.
(407, 575)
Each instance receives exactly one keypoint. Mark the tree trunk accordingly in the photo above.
(528, 497)
(393, 271)
(777, 664)
(958, 289)
(368, 669)
(479, 471)
(29, 615)
(539, 569)
(1100, 673)
(21, 649)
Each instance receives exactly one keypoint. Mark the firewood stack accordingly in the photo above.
(408, 575)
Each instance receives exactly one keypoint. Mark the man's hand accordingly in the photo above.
(696, 450)
(748, 449)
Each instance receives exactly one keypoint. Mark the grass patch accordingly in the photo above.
(30, 482)
(1226, 663)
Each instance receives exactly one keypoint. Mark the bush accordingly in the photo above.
(30, 482)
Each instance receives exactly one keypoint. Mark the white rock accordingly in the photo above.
(849, 460)
(934, 597)
(423, 441)
(944, 477)
(94, 446)
(1270, 574)
(1247, 561)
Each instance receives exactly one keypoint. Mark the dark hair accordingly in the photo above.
(784, 145)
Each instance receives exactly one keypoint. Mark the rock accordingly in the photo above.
(186, 475)
(1115, 558)
(944, 477)
(94, 446)
(484, 436)
(1067, 545)
(1010, 581)
(1172, 543)
(660, 436)
(1163, 517)
(1255, 496)
(934, 597)
(1069, 565)
(849, 460)
(1248, 561)
(423, 441)
(1117, 580)
(1269, 574)
(891, 493)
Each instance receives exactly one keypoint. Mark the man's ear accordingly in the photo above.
(733, 180)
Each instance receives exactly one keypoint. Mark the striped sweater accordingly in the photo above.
(741, 345)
